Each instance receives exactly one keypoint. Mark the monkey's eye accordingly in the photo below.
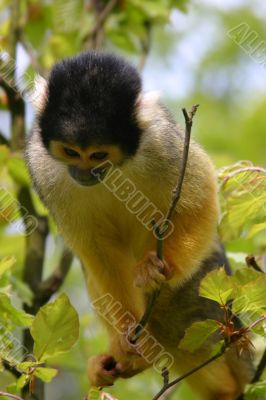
(71, 153)
(99, 155)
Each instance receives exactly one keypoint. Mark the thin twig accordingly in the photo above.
(3, 139)
(165, 375)
(33, 57)
(11, 396)
(103, 16)
(91, 37)
(52, 284)
(160, 231)
(10, 368)
(251, 262)
(145, 45)
(257, 322)
(260, 368)
(192, 371)
(259, 371)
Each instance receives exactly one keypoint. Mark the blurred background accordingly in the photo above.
(211, 52)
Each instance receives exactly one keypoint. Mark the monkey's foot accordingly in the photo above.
(151, 272)
(129, 348)
(103, 370)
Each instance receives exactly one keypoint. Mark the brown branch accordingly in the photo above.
(10, 368)
(192, 371)
(16, 103)
(32, 55)
(11, 396)
(94, 38)
(160, 231)
(3, 139)
(145, 45)
(226, 345)
(52, 284)
(260, 368)
(257, 322)
(251, 262)
(32, 273)
(259, 371)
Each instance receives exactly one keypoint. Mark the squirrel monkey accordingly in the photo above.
(98, 140)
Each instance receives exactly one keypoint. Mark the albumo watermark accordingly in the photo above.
(135, 201)
(125, 324)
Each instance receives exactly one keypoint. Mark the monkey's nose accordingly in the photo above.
(86, 177)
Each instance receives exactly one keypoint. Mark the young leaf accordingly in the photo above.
(25, 366)
(55, 328)
(251, 297)
(255, 229)
(45, 374)
(17, 169)
(255, 391)
(244, 276)
(217, 286)
(10, 313)
(197, 334)
(22, 381)
(6, 264)
(94, 394)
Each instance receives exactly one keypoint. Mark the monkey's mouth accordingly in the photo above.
(87, 177)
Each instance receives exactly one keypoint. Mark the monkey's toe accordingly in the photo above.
(151, 272)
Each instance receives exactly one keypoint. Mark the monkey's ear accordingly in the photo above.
(39, 93)
(146, 107)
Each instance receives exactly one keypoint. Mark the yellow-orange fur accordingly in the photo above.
(110, 241)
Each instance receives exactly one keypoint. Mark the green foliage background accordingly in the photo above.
(157, 36)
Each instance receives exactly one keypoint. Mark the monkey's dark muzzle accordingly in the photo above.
(88, 177)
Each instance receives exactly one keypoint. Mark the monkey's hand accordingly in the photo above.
(151, 272)
(103, 370)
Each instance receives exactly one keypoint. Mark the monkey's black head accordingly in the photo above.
(89, 110)
(91, 100)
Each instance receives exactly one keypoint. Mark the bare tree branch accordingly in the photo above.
(192, 371)
(95, 37)
(52, 284)
(260, 368)
(145, 45)
(11, 396)
(160, 231)
(32, 55)
(251, 262)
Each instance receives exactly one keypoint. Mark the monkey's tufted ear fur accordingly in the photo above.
(39, 93)
(147, 107)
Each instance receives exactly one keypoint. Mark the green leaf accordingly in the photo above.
(10, 313)
(17, 169)
(6, 264)
(4, 155)
(45, 374)
(22, 381)
(25, 366)
(255, 391)
(197, 334)
(22, 289)
(216, 348)
(245, 275)
(251, 297)
(55, 328)
(217, 286)
(94, 394)
(255, 229)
